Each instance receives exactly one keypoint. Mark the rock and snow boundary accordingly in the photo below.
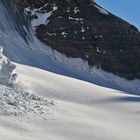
(73, 64)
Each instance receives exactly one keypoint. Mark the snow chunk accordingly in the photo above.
(68, 9)
(55, 7)
(7, 69)
(64, 34)
(42, 18)
(98, 50)
(101, 10)
(76, 10)
(82, 29)
(76, 19)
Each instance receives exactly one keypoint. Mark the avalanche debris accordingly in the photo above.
(16, 102)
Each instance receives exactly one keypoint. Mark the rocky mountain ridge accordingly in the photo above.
(83, 29)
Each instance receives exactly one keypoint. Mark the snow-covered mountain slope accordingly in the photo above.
(82, 111)
(31, 51)
(46, 106)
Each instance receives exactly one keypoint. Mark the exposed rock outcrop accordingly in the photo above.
(83, 29)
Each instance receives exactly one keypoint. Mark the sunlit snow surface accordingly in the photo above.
(82, 111)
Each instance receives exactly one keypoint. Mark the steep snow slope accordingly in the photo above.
(82, 111)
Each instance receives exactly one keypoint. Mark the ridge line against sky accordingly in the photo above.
(126, 9)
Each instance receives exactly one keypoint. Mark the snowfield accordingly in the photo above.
(82, 111)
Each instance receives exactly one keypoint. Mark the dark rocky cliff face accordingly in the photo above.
(82, 29)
